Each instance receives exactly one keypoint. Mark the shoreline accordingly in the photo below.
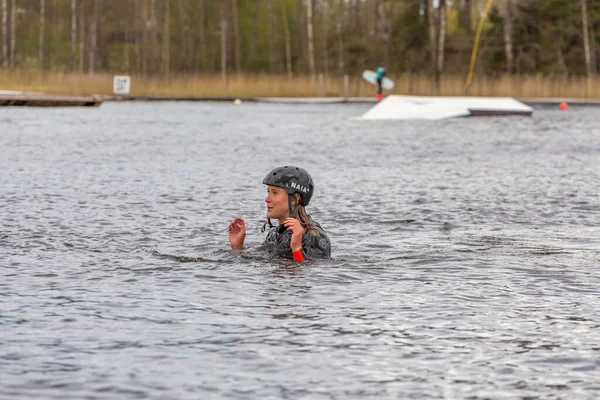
(36, 99)
(537, 89)
(337, 100)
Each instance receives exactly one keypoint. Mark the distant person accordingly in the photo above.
(380, 75)
(289, 190)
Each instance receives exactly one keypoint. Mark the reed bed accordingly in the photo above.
(265, 85)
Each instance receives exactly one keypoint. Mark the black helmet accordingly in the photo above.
(293, 180)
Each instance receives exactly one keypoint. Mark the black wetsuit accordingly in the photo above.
(380, 75)
(315, 243)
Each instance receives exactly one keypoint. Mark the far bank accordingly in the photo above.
(265, 85)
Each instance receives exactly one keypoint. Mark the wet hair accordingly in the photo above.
(305, 220)
(303, 216)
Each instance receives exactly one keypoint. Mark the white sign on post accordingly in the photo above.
(122, 84)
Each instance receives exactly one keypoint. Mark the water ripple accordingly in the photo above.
(464, 265)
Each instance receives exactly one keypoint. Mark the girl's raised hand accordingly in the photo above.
(237, 233)
(292, 224)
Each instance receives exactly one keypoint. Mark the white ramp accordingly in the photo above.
(395, 107)
(433, 108)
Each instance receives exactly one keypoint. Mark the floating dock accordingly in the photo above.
(230, 99)
(532, 102)
(32, 99)
(27, 99)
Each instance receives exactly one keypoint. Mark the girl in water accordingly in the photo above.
(289, 190)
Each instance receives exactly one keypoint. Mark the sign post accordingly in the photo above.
(121, 85)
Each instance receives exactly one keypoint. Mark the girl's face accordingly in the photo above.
(277, 203)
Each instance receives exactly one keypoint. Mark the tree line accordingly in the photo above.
(290, 37)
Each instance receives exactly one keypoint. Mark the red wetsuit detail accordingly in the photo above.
(298, 255)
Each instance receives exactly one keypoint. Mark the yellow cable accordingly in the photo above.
(476, 44)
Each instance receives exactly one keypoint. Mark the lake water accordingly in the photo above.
(465, 255)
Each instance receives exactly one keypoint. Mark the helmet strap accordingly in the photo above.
(265, 225)
(295, 210)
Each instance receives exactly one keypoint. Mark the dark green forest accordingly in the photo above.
(331, 37)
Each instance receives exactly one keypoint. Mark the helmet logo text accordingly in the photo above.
(299, 188)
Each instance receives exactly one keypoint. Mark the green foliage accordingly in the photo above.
(410, 38)
(547, 36)
(118, 57)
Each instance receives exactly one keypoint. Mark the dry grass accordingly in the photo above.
(262, 85)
